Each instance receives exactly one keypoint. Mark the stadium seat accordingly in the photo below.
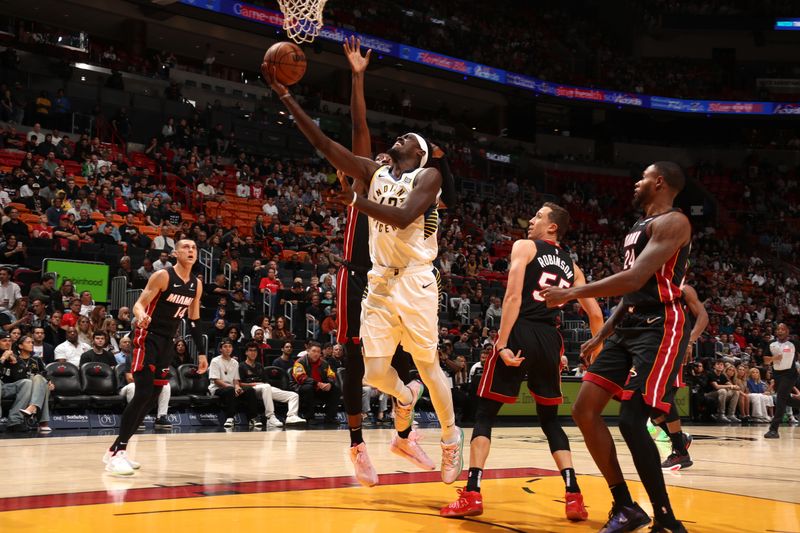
(276, 377)
(100, 385)
(195, 386)
(68, 392)
(177, 398)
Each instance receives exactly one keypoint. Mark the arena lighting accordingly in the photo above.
(787, 24)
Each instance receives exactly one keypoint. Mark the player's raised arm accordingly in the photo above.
(523, 251)
(362, 145)
(420, 199)
(157, 283)
(670, 233)
(339, 156)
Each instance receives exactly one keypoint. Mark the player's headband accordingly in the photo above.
(424, 145)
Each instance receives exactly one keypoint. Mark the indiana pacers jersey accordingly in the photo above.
(393, 247)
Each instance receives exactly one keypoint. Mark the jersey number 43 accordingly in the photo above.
(548, 280)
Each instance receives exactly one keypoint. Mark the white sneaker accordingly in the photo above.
(274, 421)
(118, 464)
(228, 423)
(134, 464)
(294, 419)
(255, 423)
(453, 458)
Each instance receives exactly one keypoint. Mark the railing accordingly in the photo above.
(444, 302)
(288, 314)
(266, 302)
(247, 285)
(227, 271)
(193, 349)
(131, 295)
(206, 260)
(312, 327)
(119, 286)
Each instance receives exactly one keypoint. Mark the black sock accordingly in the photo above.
(405, 433)
(474, 479)
(355, 436)
(621, 495)
(678, 444)
(664, 516)
(663, 426)
(118, 446)
(570, 480)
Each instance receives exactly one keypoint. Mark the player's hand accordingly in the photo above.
(555, 296)
(688, 357)
(272, 77)
(343, 197)
(436, 152)
(511, 359)
(202, 364)
(590, 349)
(143, 322)
(352, 50)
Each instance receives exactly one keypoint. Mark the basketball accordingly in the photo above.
(289, 62)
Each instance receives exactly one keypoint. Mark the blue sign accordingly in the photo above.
(465, 68)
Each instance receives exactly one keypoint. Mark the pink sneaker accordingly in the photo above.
(365, 472)
(404, 414)
(410, 449)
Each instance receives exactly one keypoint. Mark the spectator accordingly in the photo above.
(87, 303)
(16, 227)
(225, 383)
(54, 334)
(251, 372)
(182, 355)
(125, 350)
(73, 313)
(17, 316)
(20, 390)
(9, 291)
(314, 381)
(38, 315)
(41, 349)
(13, 251)
(721, 390)
(285, 361)
(71, 350)
(761, 404)
(146, 270)
(45, 291)
(164, 241)
(162, 262)
(279, 332)
(33, 368)
(85, 332)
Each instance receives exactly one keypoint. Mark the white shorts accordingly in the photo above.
(401, 307)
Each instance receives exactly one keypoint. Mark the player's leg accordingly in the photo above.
(670, 423)
(604, 380)
(352, 389)
(470, 501)
(116, 459)
(634, 413)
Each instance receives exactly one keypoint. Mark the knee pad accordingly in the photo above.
(484, 418)
(548, 419)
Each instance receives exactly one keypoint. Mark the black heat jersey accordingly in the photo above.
(665, 285)
(356, 240)
(170, 306)
(551, 267)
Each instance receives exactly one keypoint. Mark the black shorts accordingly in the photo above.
(351, 288)
(152, 353)
(542, 347)
(644, 354)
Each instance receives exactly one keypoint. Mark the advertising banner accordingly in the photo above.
(85, 275)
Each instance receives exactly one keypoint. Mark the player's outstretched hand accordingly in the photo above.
(590, 349)
(511, 359)
(436, 151)
(343, 197)
(202, 364)
(555, 296)
(279, 88)
(352, 50)
(143, 322)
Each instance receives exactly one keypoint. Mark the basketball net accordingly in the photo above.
(302, 19)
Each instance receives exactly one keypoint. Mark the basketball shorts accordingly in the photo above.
(401, 307)
(351, 287)
(541, 346)
(644, 354)
(152, 353)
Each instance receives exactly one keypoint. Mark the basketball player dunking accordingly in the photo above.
(670, 422)
(529, 343)
(351, 283)
(403, 296)
(640, 361)
(170, 295)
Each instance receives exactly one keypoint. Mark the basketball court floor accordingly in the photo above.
(300, 480)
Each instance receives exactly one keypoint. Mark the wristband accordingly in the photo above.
(287, 95)
(355, 197)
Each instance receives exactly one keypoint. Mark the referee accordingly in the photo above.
(783, 354)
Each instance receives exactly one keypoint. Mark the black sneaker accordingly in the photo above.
(622, 518)
(677, 528)
(677, 462)
(771, 434)
(162, 423)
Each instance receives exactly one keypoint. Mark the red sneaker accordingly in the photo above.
(468, 504)
(576, 511)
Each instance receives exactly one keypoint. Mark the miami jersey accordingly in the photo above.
(390, 246)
